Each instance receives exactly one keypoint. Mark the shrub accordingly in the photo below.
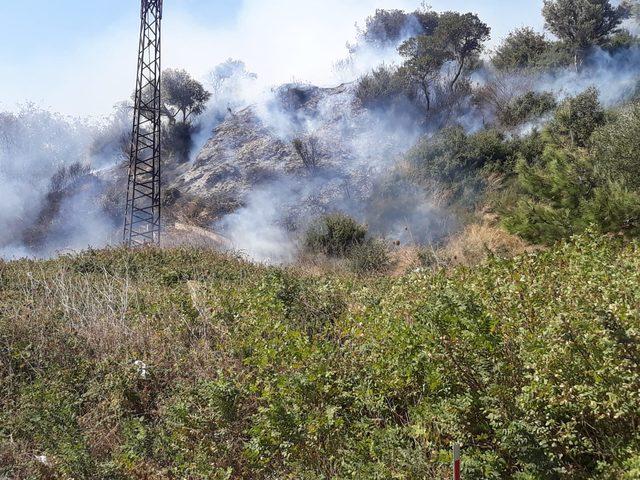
(616, 147)
(262, 373)
(476, 243)
(308, 149)
(369, 257)
(335, 234)
(564, 194)
(457, 163)
(530, 106)
(578, 117)
(385, 87)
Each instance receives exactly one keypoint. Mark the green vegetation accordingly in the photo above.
(583, 177)
(523, 48)
(335, 234)
(527, 107)
(578, 117)
(339, 236)
(189, 364)
(183, 99)
(583, 24)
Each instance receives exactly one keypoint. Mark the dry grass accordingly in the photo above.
(477, 242)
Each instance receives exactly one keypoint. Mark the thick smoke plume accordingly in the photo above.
(58, 175)
(359, 148)
(50, 196)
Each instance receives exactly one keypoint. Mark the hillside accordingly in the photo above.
(185, 363)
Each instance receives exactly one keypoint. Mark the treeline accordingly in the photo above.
(550, 165)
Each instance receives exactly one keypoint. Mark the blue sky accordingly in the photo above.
(78, 57)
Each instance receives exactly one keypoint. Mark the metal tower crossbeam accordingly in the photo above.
(143, 211)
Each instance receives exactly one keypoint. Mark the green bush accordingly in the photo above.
(523, 48)
(616, 147)
(457, 164)
(564, 194)
(335, 235)
(369, 257)
(386, 88)
(578, 117)
(527, 107)
(256, 372)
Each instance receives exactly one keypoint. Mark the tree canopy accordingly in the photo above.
(583, 23)
(182, 95)
(523, 48)
(462, 37)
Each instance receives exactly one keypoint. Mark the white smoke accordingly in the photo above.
(35, 145)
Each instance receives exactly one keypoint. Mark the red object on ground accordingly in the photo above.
(456, 462)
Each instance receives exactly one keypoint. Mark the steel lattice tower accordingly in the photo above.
(142, 216)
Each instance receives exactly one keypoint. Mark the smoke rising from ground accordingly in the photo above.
(49, 197)
(357, 150)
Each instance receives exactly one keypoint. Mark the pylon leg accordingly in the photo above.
(142, 224)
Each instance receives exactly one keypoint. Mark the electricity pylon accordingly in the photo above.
(143, 210)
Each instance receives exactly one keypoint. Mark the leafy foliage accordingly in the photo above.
(369, 256)
(462, 36)
(523, 48)
(457, 162)
(256, 372)
(578, 117)
(334, 234)
(565, 194)
(583, 23)
(182, 95)
(530, 106)
(385, 88)
(457, 38)
(386, 28)
(616, 147)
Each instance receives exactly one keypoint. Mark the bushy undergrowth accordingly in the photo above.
(527, 107)
(334, 234)
(188, 364)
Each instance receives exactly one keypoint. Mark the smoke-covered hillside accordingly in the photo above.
(438, 248)
(430, 133)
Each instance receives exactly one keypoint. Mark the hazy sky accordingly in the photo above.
(78, 57)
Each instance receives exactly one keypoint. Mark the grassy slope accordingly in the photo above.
(253, 372)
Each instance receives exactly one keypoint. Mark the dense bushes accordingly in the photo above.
(457, 164)
(578, 117)
(387, 88)
(527, 107)
(187, 364)
(339, 236)
(616, 147)
(583, 179)
(334, 234)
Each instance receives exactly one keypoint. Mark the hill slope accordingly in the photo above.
(189, 364)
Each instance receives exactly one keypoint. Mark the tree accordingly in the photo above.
(182, 96)
(583, 23)
(523, 48)
(424, 61)
(462, 37)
